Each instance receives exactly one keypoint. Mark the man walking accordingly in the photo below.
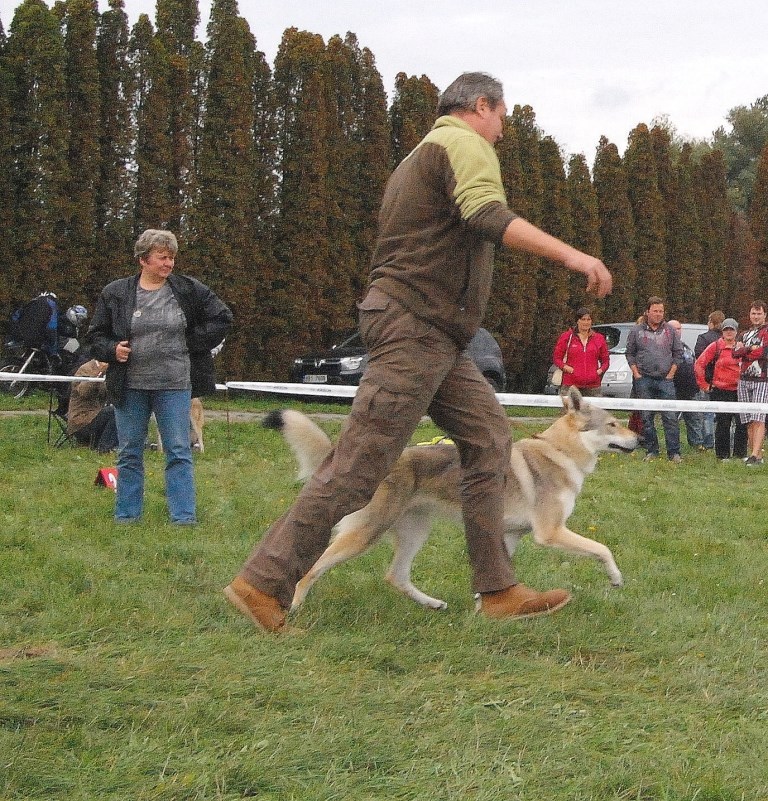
(443, 211)
(654, 351)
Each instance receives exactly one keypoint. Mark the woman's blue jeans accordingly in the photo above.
(171, 408)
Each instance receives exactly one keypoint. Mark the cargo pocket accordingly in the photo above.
(383, 410)
(378, 428)
(371, 312)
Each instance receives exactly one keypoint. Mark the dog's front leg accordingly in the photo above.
(354, 535)
(567, 540)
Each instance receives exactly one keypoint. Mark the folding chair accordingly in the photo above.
(60, 435)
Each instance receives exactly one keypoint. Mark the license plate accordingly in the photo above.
(316, 379)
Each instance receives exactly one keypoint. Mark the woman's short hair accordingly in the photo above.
(467, 89)
(154, 239)
(582, 311)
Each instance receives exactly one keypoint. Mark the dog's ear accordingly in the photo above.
(572, 401)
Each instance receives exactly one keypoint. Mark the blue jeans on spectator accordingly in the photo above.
(171, 408)
(708, 422)
(659, 389)
(694, 428)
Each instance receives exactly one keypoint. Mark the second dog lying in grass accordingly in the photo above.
(545, 476)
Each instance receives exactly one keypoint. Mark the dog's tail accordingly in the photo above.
(309, 443)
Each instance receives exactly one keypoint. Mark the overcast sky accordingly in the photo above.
(587, 67)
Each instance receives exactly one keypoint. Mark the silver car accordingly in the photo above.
(617, 381)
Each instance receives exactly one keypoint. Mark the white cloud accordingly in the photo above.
(587, 67)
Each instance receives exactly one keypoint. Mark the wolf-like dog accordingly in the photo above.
(545, 476)
(196, 423)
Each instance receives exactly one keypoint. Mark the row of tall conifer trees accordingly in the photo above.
(272, 176)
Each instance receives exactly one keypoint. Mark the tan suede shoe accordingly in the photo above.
(519, 601)
(262, 609)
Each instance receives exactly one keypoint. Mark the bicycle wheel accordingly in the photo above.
(18, 389)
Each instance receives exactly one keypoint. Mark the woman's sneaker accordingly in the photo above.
(754, 461)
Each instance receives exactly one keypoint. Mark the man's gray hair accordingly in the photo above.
(154, 239)
(467, 89)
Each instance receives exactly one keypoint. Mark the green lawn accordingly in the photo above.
(124, 674)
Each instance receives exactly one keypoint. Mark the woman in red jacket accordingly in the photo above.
(725, 379)
(582, 355)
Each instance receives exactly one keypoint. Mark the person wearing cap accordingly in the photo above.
(725, 380)
(582, 355)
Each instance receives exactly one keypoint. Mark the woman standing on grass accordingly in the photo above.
(722, 387)
(156, 330)
(582, 355)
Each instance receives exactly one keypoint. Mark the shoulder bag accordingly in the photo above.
(557, 375)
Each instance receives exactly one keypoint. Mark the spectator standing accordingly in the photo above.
(725, 370)
(654, 351)
(714, 324)
(752, 350)
(686, 388)
(582, 355)
(156, 331)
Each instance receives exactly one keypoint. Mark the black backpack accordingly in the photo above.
(709, 370)
(35, 323)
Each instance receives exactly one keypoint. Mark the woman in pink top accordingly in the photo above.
(582, 355)
(725, 379)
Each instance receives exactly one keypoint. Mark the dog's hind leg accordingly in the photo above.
(410, 533)
(512, 537)
(567, 540)
(354, 536)
(197, 420)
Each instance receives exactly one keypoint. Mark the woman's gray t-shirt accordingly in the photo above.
(159, 356)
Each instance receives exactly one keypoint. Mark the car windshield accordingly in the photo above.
(352, 340)
(615, 336)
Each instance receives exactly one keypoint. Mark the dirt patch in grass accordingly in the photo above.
(27, 652)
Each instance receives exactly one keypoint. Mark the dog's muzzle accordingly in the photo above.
(616, 446)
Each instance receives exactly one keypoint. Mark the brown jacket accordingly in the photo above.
(443, 210)
(86, 399)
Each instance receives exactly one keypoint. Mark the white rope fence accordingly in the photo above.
(515, 399)
(321, 391)
(42, 378)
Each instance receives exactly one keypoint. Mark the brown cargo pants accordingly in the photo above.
(413, 369)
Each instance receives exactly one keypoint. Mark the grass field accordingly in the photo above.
(125, 675)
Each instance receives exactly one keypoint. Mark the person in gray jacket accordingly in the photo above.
(654, 351)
